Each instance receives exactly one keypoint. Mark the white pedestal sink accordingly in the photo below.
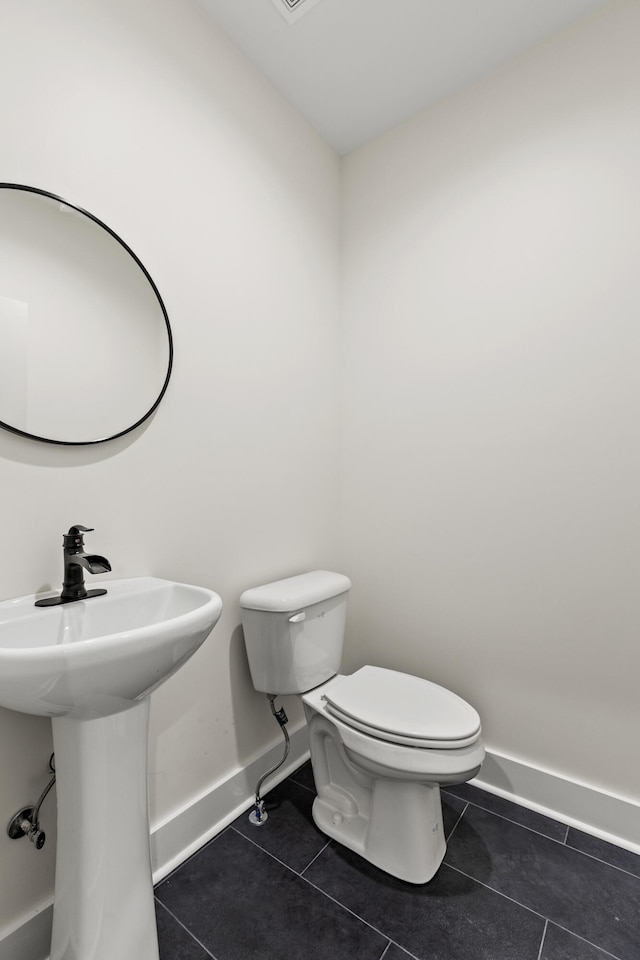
(90, 665)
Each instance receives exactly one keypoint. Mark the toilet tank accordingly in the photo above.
(294, 630)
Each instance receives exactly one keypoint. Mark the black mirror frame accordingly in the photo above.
(125, 246)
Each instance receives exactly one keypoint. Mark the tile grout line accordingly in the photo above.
(186, 929)
(602, 950)
(453, 828)
(393, 943)
(544, 934)
(515, 822)
(315, 858)
(303, 785)
(606, 863)
(493, 890)
(562, 843)
(268, 853)
(404, 949)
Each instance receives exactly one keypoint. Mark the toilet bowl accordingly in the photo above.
(381, 742)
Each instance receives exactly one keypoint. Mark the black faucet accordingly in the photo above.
(76, 561)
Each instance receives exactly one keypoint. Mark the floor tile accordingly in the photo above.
(512, 811)
(452, 810)
(603, 850)
(591, 899)
(240, 903)
(560, 945)
(450, 918)
(289, 833)
(174, 942)
(234, 901)
(304, 776)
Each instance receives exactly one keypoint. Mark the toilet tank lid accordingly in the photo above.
(293, 593)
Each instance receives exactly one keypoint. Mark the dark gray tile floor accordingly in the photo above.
(514, 885)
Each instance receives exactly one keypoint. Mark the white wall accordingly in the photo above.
(142, 113)
(491, 462)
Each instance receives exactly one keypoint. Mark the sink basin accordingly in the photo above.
(92, 658)
(90, 665)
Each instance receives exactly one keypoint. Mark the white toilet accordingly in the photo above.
(381, 741)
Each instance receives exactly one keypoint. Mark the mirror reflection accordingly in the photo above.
(85, 341)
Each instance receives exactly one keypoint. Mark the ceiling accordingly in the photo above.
(356, 68)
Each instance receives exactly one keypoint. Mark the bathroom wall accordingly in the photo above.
(141, 112)
(491, 461)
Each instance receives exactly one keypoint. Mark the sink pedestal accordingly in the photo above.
(104, 905)
(91, 666)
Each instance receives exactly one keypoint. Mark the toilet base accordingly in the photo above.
(396, 824)
(402, 833)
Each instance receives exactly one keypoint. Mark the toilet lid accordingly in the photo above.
(402, 709)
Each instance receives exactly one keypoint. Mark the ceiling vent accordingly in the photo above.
(292, 10)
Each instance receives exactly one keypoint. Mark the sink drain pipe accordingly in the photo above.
(259, 815)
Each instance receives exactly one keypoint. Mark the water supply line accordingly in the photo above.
(26, 821)
(259, 815)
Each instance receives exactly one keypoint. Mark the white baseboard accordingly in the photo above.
(175, 839)
(605, 815)
(188, 829)
(30, 937)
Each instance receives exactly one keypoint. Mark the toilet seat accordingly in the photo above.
(401, 709)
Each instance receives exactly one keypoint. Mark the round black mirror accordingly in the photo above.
(86, 349)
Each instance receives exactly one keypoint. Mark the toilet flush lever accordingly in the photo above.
(298, 617)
